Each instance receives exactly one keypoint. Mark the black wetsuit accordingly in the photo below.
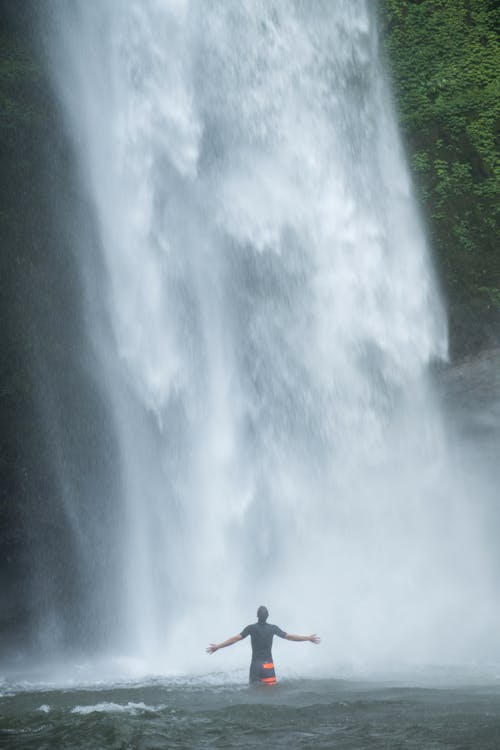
(262, 667)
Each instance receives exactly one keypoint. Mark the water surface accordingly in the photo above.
(295, 714)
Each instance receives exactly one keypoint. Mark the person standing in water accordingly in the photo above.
(261, 635)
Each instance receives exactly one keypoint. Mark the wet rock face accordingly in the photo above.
(470, 390)
(475, 377)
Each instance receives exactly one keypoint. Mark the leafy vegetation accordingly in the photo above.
(445, 60)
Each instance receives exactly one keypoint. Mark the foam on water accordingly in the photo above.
(129, 708)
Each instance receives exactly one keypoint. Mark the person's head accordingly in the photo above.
(262, 614)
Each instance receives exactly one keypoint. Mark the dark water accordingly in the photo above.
(294, 714)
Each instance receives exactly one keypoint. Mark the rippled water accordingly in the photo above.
(295, 714)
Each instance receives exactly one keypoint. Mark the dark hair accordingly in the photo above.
(262, 614)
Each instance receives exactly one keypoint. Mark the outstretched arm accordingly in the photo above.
(216, 646)
(312, 638)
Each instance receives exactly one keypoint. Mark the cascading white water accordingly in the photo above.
(271, 314)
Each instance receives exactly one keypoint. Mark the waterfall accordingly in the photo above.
(263, 322)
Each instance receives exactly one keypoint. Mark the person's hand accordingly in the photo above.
(314, 638)
(212, 648)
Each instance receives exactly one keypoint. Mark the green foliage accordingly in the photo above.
(445, 57)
